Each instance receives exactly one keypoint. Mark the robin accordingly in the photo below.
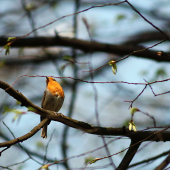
(53, 99)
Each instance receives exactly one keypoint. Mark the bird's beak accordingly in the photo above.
(47, 80)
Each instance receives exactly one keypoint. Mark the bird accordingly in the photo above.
(53, 99)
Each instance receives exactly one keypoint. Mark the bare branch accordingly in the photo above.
(144, 136)
(164, 163)
(88, 46)
(150, 159)
(136, 97)
(148, 20)
(24, 137)
(129, 155)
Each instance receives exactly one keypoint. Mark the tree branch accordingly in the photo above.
(164, 163)
(139, 136)
(30, 60)
(27, 150)
(129, 155)
(87, 46)
(150, 159)
(24, 137)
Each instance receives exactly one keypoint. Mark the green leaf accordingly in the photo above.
(30, 7)
(114, 66)
(94, 161)
(68, 58)
(132, 126)
(89, 159)
(31, 109)
(18, 113)
(120, 17)
(159, 53)
(6, 109)
(7, 47)
(114, 69)
(133, 110)
(45, 167)
(10, 38)
(18, 102)
(161, 73)
(111, 62)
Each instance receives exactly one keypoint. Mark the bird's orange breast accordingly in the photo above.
(54, 87)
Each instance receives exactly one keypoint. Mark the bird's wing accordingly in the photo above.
(43, 99)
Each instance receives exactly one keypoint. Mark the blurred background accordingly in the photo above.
(114, 24)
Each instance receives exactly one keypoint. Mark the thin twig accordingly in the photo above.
(136, 97)
(147, 20)
(46, 148)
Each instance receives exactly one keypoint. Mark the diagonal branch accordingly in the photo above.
(26, 136)
(147, 20)
(31, 153)
(129, 155)
(140, 135)
(164, 163)
(150, 159)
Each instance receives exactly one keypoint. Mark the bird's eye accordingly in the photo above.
(54, 80)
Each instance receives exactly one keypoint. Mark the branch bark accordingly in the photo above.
(164, 163)
(24, 137)
(138, 136)
(149, 160)
(129, 155)
(27, 150)
(87, 46)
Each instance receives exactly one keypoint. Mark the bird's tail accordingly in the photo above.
(44, 132)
